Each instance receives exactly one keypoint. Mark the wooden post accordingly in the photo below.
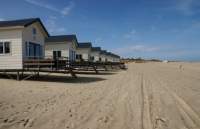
(18, 76)
(95, 69)
(72, 73)
(105, 68)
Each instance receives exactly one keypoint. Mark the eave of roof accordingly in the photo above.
(96, 49)
(22, 23)
(62, 38)
(85, 45)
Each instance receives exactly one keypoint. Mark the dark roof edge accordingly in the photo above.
(38, 20)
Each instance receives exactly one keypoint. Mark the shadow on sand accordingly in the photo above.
(58, 79)
(66, 79)
(93, 73)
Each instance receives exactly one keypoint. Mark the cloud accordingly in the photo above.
(51, 24)
(136, 48)
(131, 34)
(186, 7)
(65, 11)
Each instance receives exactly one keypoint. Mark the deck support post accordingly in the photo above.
(105, 68)
(95, 69)
(18, 76)
(72, 73)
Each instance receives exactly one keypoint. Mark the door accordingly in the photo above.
(56, 55)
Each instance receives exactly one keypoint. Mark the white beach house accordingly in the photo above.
(113, 57)
(95, 54)
(19, 40)
(110, 57)
(116, 58)
(83, 51)
(103, 56)
(61, 46)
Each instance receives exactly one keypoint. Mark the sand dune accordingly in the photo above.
(146, 96)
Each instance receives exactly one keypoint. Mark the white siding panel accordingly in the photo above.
(64, 47)
(86, 53)
(28, 36)
(96, 56)
(14, 59)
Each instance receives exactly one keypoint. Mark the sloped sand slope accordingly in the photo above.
(146, 96)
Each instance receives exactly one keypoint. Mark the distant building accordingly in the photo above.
(112, 57)
(61, 46)
(103, 56)
(20, 40)
(95, 54)
(83, 51)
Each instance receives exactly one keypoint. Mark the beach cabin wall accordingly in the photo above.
(110, 58)
(12, 59)
(85, 53)
(103, 58)
(96, 56)
(33, 41)
(68, 50)
(15, 37)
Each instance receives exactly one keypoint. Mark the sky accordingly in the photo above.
(161, 29)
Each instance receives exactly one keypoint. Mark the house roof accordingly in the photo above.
(22, 22)
(85, 45)
(96, 49)
(103, 52)
(109, 54)
(61, 38)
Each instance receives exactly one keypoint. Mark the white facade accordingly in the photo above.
(96, 56)
(116, 59)
(28, 37)
(12, 60)
(110, 58)
(85, 52)
(68, 49)
(103, 58)
(18, 37)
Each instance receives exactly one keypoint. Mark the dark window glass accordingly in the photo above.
(34, 31)
(1, 47)
(31, 50)
(41, 50)
(37, 50)
(27, 48)
(56, 55)
(7, 47)
(78, 56)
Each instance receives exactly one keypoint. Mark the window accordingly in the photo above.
(57, 55)
(1, 47)
(79, 56)
(92, 58)
(34, 31)
(34, 50)
(7, 47)
(4, 47)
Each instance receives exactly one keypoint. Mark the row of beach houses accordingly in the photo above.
(28, 38)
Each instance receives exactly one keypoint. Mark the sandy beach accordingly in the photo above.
(146, 96)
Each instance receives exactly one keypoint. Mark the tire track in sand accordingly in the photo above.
(145, 107)
(189, 117)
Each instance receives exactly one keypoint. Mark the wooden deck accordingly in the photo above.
(35, 66)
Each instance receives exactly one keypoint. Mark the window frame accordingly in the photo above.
(34, 31)
(10, 45)
(33, 48)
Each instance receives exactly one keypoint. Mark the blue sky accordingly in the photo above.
(164, 29)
